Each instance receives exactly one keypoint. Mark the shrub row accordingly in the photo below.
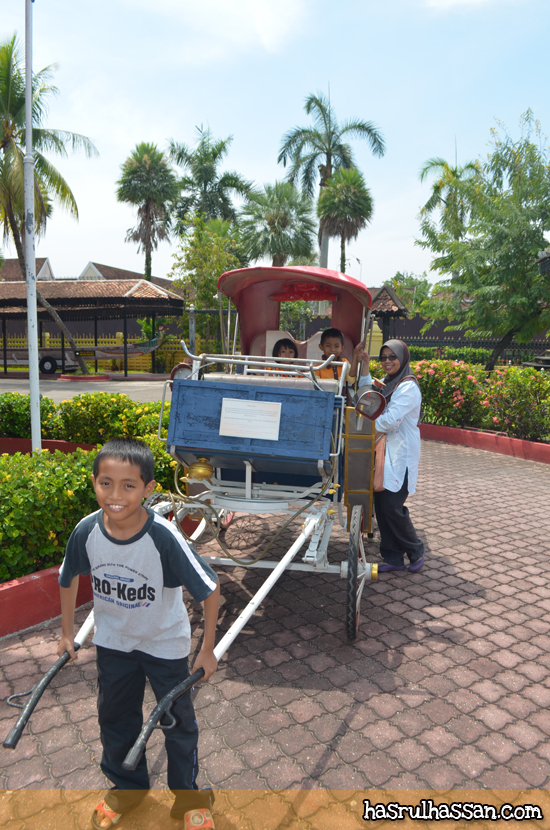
(513, 400)
(466, 353)
(90, 418)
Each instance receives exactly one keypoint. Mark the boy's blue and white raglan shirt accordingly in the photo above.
(138, 603)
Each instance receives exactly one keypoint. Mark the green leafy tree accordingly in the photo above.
(204, 189)
(345, 207)
(148, 182)
(322, 148)
(277, 222)
(203, 256)
(492, 285)
(230, 232)
(50, 187)
(411, 289)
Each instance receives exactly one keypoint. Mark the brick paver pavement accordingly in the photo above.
(447, 685)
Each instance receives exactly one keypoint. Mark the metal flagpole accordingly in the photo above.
(30, 261)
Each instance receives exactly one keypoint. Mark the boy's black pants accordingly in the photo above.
(397, 533)
(121, 688)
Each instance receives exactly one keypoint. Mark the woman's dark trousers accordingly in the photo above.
(397, 533)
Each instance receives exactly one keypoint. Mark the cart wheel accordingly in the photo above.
(226, 517)
(355, 584)
(48, 365)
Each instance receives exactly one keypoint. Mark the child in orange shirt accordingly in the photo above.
(332, 342)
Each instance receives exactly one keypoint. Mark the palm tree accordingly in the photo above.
(322, 148)
(49, 185)
(205, 190)
(148, 182)
(277, 222)
(344, 208)
(446, 194)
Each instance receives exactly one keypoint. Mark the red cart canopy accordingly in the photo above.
(258, 292)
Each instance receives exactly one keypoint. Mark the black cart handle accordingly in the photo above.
(163, 706)
(35, 694)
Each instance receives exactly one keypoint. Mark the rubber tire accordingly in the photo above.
(48, 365)
(352, 609)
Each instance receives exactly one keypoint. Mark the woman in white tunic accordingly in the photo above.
(399, 422)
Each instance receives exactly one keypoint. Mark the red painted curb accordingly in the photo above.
(85, 378)
(32, 599)
(24, 445)
(503, 444)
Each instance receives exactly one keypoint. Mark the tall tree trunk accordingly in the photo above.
(323, 253)
(278, 261)
(61, 325)
(325, 171)
(43, 302)
(342, 254)
(148, 263)
(499, 348)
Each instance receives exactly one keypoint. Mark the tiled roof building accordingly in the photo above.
(11, 270)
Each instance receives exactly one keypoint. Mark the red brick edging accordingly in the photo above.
(24, 445)
(32, 599)
(503, 444)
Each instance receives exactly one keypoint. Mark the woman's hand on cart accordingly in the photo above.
(360, 353)
(206, 660)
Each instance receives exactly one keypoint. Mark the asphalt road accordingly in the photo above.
(60, 390)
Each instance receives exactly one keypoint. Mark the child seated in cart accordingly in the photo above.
(332, 342)
(285, 348)
(138, 563)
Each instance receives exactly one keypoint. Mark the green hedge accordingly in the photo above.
(42, 497)
(15, 415)
(466, 353)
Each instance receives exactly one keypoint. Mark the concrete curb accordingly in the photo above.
(84, 378)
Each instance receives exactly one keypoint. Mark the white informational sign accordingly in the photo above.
(250, 419)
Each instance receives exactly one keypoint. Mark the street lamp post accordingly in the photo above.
(30, 260)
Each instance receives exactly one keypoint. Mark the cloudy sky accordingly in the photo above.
(431, 74)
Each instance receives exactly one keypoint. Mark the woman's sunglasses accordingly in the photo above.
(391, 357)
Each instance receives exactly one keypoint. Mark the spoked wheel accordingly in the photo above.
(355, 583)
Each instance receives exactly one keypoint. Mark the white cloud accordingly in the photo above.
(214, 29)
